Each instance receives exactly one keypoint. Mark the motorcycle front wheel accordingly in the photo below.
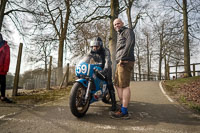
(77, 103)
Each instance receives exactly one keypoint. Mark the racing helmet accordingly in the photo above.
(96, 42)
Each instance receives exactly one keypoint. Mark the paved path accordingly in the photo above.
(151, 112)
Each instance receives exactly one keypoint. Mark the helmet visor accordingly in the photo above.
(95, 43)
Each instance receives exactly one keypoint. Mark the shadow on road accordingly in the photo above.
(143, 114)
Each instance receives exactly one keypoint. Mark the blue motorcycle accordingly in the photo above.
(91, 86)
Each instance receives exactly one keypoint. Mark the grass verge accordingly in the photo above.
(186, 91)
(40, 95)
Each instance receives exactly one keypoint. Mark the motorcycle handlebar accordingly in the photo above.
(99, 73)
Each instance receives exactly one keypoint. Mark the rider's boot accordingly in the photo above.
(112, 96)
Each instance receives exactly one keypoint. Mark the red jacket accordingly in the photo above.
(4, 58)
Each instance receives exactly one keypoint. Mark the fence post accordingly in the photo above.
(67, 76)
(176, 70)
(17, 71)
(49, 74)
(193, 69)
(143, 77)
(136, 77)
(133, 72)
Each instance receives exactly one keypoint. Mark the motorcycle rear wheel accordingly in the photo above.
(106, 99)
(78, 105)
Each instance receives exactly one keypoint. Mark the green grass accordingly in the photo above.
(41, 96)
(173, 86)
(190, 104)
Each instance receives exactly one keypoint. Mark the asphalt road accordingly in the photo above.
(151, 112)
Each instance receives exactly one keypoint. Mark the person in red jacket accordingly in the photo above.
(4, 66)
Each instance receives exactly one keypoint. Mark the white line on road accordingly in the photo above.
(138, 128)
(141, 129)
(160, 84)
(3, 116)
(127, 128)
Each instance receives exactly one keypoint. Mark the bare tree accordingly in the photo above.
(184, 10)
(2, 10)
(84, 33)
(139, 50)
(148, 54)
(148, 46)
(42, 48)
(129, 4)
(50, 25)
(186, 40)
(114, 5)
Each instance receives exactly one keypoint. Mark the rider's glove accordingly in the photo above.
(99, 74)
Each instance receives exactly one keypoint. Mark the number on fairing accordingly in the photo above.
(81, 69)
(84, 69)
(78, 69)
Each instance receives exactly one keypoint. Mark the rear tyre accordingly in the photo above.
(106, 99)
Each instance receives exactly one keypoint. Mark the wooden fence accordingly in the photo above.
(176, 74)
(145, 77)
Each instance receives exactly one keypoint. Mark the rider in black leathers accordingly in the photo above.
(101, 54)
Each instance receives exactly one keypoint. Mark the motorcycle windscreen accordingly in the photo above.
(84, 67)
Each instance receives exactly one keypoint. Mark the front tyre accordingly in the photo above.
(78, 105)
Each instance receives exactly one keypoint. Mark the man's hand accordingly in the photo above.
(100, 74)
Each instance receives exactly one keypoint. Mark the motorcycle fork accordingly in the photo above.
(88, 90)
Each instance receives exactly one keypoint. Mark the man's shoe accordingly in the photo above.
(117, 109)
(4, 99)
(113, 107)
(120, 115)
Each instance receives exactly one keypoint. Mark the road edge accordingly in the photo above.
(164, 93)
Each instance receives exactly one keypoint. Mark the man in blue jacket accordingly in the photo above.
(125, 62)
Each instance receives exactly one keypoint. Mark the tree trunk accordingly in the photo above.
(138, 61)
(128, 12)
(186, 41)
(160, 60)
(148, 59)
(165, 59)
(61, 41)
(2, 9)
(114, 5)
(161, 36)
(45, 60)
(49, 74)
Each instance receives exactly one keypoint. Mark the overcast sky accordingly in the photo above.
(26, 66)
